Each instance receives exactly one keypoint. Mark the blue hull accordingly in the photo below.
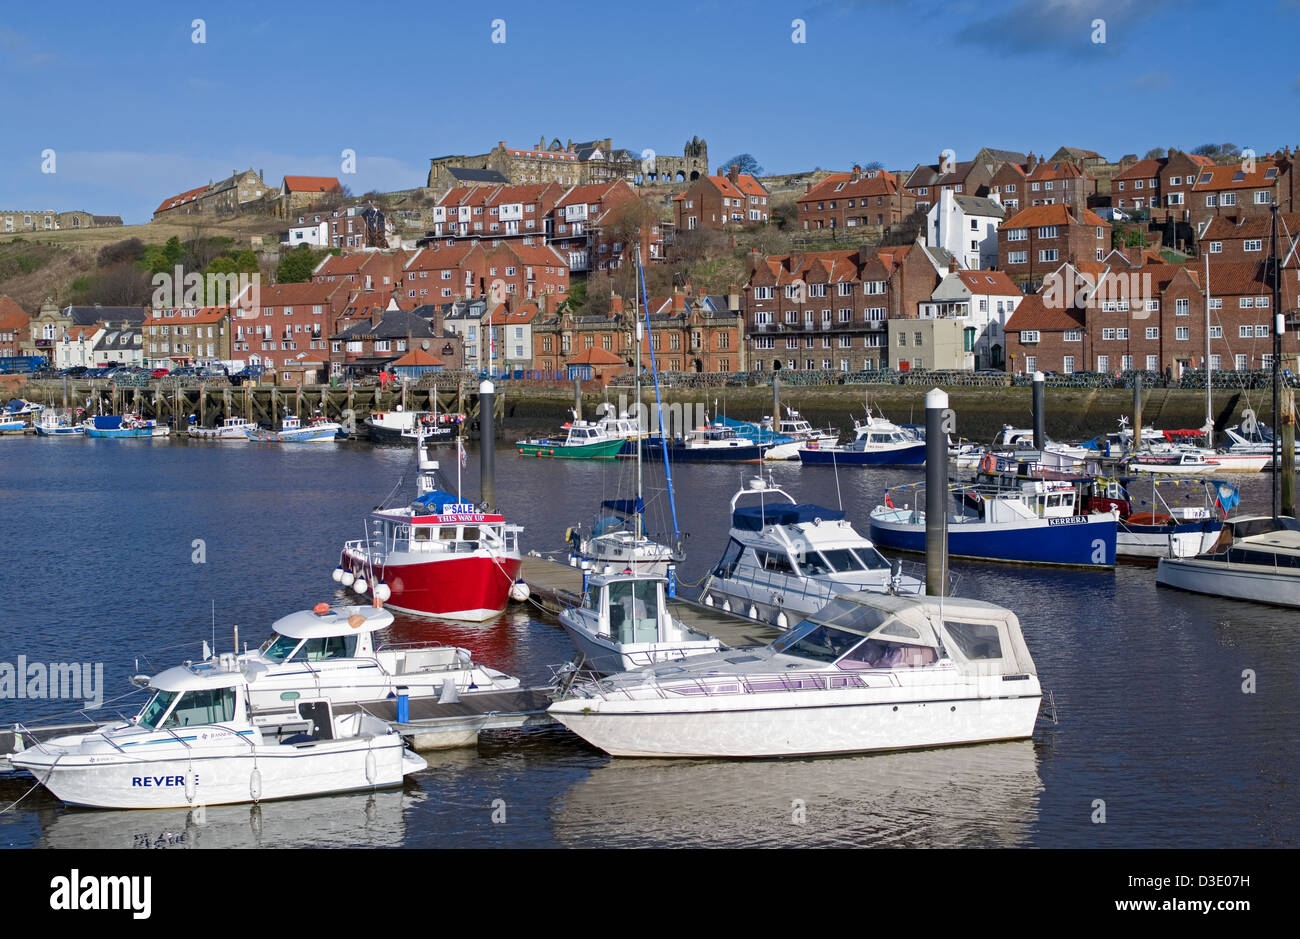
(908, 456)
(1086, 543)
(679, 454)
(120, 432)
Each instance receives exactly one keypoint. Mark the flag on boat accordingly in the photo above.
(460, 450)
(1229, 498)
(889, 502)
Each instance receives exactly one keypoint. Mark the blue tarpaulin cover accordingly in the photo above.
(753, 517)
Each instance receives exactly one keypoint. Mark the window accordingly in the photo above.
(1211, 201)
(1067, 365)
(1047, 231)
(1028, 336)
(1216, 332)
(1153, 363)
(1261, 331)
(1182, 307)
(1240, 363)
(1121, 332)
(1182, 333)
(1252, 244)
(1048, 254)
(1103, 364)
(1073, 335)
(1263, 197)
(1245, 332)
(1174, 198)
(1017, 257)
(1107, 334)
(1216, 362)
(1017, 234)
(1153, 332)
(1228, 198)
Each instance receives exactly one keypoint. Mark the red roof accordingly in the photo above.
(1233, 176)
(989, 282)
(12, 315)
(1059, 170)
(1142, 169)
(595, 356)
(418, 357)
(181, 199)
(843, 186)
(1033, 313)
(311, 184)
(1057, 214)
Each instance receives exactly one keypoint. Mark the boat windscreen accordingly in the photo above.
(815, 641)
(278, 648)
(152, 712)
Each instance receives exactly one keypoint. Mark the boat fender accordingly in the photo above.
(383, 592)
(817, 520)
(782, 621)
(189, 785)
(347, 579)
(370, 767)
(255, 785)
(708, 599)
(356, 620)
(726, 606)
(359, 585)
(519, 591)
(338, 575)
(753, 612)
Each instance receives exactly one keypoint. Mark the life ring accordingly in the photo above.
(989, 464)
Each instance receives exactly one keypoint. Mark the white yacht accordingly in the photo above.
(624, 623)
(195, 743)
(785, 560)
(232, 428)
(801, 433)
(876, 442)
(1256, 558)
(867, 672)
(330, 653)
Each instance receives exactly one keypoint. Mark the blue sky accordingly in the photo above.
(135, 111)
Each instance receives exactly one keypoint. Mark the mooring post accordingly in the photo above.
(486, 443)
(776, 402)
(1040, 411)
(1137, 413)
(936, 492)
(577, 399)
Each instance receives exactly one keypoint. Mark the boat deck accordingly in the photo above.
(555, 586)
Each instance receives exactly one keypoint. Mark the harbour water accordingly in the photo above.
(120, 551)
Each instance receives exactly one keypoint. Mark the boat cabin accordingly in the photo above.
(631, 608)
(874, 631)
(212, 692)
(333, 633)
(438, 522)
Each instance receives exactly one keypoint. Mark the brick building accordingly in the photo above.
(854, 200)
(829, 309)
(495, 212)
(1045, 337)
(1059, 181)
(468, 270)
(13, 327)
(293, 325)
(719, 202)
(174, 337)
(1238, 189)
(222, 197)
(583, 225)
(1250, 237)
(1037, 240)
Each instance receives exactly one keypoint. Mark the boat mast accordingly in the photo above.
(1209, 377)
(659, 404)
(636, 506)
(1278, 323)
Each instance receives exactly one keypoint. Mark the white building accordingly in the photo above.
(76, 346)
(983, 301)
(967, 228)
(314, 233)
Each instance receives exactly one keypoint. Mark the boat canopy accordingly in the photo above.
(755, 517)
(437, 500)
(337, 621)
(624, 506)
(981, 636)
(198, 676)
(106, 421)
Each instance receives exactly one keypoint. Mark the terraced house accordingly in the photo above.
(584, 223)
(1037, 240)
(175, 336)
(857, 199)
(1250, 238)
(293, 326)
(467, 270)
(1241, 189)
(828, 310)
(733, 200)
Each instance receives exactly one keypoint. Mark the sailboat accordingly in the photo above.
(618, 540)
(624, 621)
(1256, 557)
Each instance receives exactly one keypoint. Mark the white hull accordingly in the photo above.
(1276, 586)
(784, 451)
(801, 723)
(223, 775)
(1178, 545)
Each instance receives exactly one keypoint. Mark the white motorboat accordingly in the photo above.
(868, 672)
(195, 743)
(801, 433)
(785, 560)
(58, 424)
(1171, 460)
(330, 653)
(1256, 558)
(876, 442)
(232, 428)
(292, 430)
(624, 623)
(396, 425)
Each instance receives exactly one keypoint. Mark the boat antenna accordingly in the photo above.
(214, 625)
(659, 404)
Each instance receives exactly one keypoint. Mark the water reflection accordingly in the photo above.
(979, 796)
(369, 819)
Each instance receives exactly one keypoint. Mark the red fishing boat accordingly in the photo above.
(437, 556)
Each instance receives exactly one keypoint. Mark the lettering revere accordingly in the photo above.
(160, 781)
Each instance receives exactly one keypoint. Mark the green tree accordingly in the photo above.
(746, 162)
(296, 266)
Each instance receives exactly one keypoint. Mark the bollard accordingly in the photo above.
(936, 492)
(1040, 415)
(776, 402)
(486, 444)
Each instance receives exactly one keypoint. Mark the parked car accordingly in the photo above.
(183, 371)
(159, 373)
(247, 373)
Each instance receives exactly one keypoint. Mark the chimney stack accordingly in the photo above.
(616, 304)
(734, 173)
(857, 173)
(679, 301)
(1033, 161)
(733, 299)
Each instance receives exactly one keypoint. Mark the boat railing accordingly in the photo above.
(711, 685)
